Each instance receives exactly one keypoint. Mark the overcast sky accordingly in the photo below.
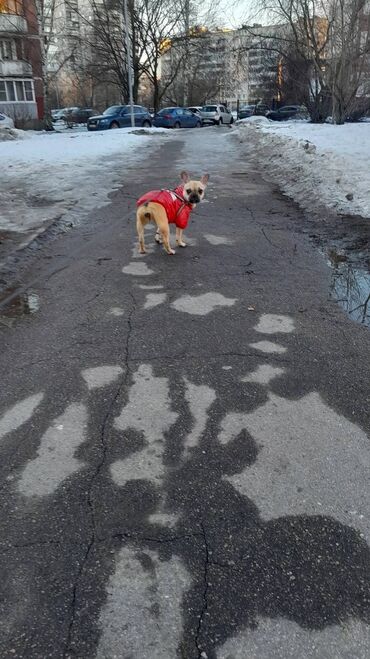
(236, 12)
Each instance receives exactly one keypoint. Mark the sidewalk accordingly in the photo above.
(184, 458)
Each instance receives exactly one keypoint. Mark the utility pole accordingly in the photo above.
(129, 64)
(187, 49)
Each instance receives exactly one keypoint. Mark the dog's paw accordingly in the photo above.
(158, 239)
(180, 243)
(171, 252)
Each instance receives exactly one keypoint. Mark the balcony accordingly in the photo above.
(12, 23)
(13, 68)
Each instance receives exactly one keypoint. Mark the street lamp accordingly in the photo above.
(129, 64)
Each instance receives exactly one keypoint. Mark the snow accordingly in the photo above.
(318, 165)
(8, 133)
(53, 175)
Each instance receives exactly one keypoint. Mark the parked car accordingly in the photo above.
(119, 116)
(80, 115)
(261, 109)
(62, 114)
(176, 118)
(246, 111)
(216, 114)
(288, 112)
(197, 110)
(5, 121)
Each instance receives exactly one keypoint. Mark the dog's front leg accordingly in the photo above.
(179, 240)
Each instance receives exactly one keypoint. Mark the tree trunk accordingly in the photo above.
(156, 98)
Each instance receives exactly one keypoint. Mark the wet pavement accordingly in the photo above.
(184, 440)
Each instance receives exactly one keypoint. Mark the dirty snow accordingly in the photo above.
(8, 134)
(67, 174)
(315, 164)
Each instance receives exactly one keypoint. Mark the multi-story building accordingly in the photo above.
(223, 65)
(85, 52)
(21, 84)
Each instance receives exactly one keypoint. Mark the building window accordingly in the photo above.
(13, 91)
(2, 91)
(11, 7)
(20, 90)
(28, 90)
(10, 90)
(7, 49)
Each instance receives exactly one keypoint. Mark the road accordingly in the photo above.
(184, 458)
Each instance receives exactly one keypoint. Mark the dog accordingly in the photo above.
(165, 207)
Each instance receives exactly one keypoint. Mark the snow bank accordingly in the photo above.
(317, 165)
(53, 175)
(10, 134)
(254, 119)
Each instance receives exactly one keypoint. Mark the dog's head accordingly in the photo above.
(194, 190)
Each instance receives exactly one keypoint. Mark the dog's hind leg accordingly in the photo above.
(158, 238)
(140, 223)
(166, 240)
(163, 227)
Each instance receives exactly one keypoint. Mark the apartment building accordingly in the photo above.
(222, 65)
(21, 85)
(85, 44)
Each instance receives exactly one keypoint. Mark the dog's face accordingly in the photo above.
(194, 190)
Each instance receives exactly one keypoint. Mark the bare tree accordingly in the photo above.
(349, 49)
(46, 12)
(318, 41)
(102, 53)
(156, 23)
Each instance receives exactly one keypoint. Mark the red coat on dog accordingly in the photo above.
(173, 202)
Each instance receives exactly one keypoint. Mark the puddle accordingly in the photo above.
(15, 304)
(350, 286)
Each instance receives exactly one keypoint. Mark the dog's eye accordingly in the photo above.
(200, 190)
(188, 191)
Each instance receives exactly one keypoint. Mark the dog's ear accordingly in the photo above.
(185, 177)
(205, 179)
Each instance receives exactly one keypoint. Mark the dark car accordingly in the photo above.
(246, 111)
(176, 118)
(288, 112)
(119, 116)
(80, 115)
(261, 110)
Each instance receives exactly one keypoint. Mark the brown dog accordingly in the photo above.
(165, 207)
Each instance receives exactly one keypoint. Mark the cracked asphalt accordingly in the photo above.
(184, 440)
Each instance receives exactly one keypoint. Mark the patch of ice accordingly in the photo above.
(201, 305)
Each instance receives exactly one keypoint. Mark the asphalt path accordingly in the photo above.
(184, 460)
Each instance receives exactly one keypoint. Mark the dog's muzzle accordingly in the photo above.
(194, 199)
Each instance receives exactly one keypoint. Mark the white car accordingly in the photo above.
(6, 121)
(216, 114)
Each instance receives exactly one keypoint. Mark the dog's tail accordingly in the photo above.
(144, 213)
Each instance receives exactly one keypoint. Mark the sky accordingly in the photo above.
(237, 12)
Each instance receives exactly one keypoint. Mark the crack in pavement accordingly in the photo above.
(121, 535)
(201, 653)
(94, 537)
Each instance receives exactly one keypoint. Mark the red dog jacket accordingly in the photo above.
(173, 202)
